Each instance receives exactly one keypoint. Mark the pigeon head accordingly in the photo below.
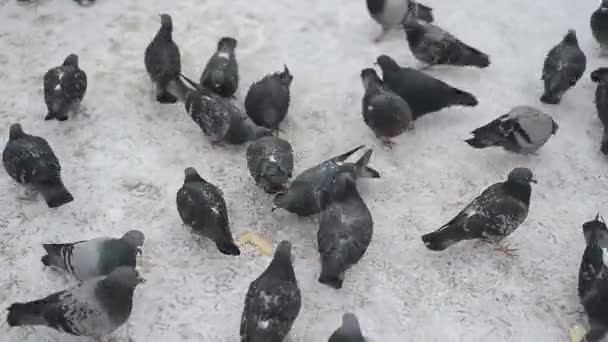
(166, 24)
(71, 60)
(124, 277)
(599, 75)
(134, 238)
(350, 327)
(281, 264)
(273, 177)
(570, 38)
(595, 230)
(15, 131)
(285, 76)
(191, 175)
(521, 175)
(370, 78)
(387, 64)
(226, 44)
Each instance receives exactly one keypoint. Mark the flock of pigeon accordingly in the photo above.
(105, 267)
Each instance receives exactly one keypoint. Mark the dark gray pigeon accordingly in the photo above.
(273, 300)
(600, 76)
(391, 13)
(423, 93)
(599, 24)
(564, 66)
(491, 216)
(29, 159)
(386, 113)
(432, 45)
(201, 206)
(350, 331)
(523, 129)
(593, 278)
(270, 163)
(94, 308)
(221, 120)
(303, 197)
(345, 230)
(163, 63)
(221, 74)
(64, 88)
(95, 257)
(267, 100)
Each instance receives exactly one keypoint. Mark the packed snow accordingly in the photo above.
(124, 156)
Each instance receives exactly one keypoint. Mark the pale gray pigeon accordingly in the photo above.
(221, 74)
(345, 230)
(423, 93)
(273, 300)
(523, 129)
(391, 13)
(350, 331)
(94, 308)
(600, 76)
(491, 216)
(64, 88)
(201, 205)
(564, 66)
(96, 257)
(267, 100)
(29, 159)
(270, 163)
(599, 24)
(303, 197)
(386, 113)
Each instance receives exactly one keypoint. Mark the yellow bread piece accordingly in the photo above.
(577, 333)
(252, 238)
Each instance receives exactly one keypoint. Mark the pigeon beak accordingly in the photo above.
(533, 181)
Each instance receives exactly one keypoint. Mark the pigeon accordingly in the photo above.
(221, 74)
(273, 300)
(163, 63)
(201, 205)
(391, 13)
(270, 163)
(345, 230)
(386, 113)
(221, 120)
(599, 24)
(64, 88)
(303, 197)
(29, 159)
(350, 331)
(600, 76)
(96, 257)
(564, 66)
(593, 278)
(523, 129)
(423, 93)
(267, 100)
(492, 216)
(432, 45)
(93, 308)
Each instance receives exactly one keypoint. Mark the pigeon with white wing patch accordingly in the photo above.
(390, 13)
(221, 74)
(64, 88)
(270, 163)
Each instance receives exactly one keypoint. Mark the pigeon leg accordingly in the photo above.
(505, 248)
(387, 142)
(382, 34)
(29, 194)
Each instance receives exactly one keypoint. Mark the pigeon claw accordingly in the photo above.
(388, 143)
(506, 250)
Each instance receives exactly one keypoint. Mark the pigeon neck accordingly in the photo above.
(281, 268)
(116, 299)
(375, 6)
(166, 33)
(520, 191)
(571, 39)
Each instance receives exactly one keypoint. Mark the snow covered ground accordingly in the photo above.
(123, 160)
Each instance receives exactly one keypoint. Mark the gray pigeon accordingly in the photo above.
(221, 74)
(350, 331)
(94, 308)
(303, 197)
(523, 130)
(163, 63)
(273, 300)
(201, 206)
(423, 93)
(386, 113)
(221, 120)
(564, 66)
(29, 159)
(492, 216)
(345, 230)
(593, 278)
(600, 76)
(64, 88)
(432, 45)
(599, 24)
(270, 163)
(95, 257)
(267, 100)
(391, 13)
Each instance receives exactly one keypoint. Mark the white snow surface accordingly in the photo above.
(124, 157)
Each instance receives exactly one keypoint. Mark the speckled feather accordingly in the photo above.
(267, 100)
(564, 65)
(64, 88)
(221, 73)
(270, 163)
(162, 57)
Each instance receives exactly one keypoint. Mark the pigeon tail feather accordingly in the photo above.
(549, 98)
(26, 314)
(476, 58)
(464, 99)
(442, 238)
(363, 170)
(53, 257)
(424, 13)
(228, 248)
(55, 194)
